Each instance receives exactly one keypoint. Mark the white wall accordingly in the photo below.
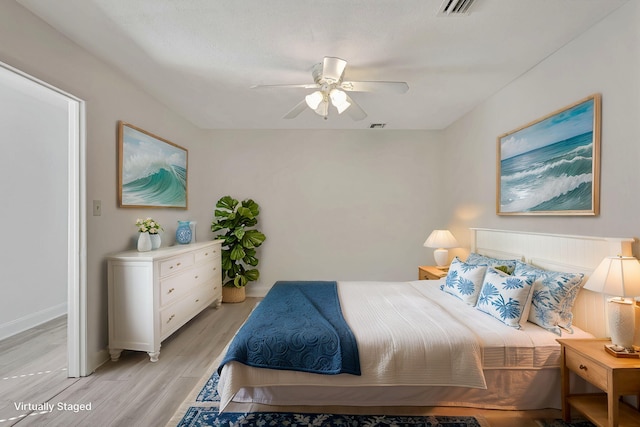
(335, 205)
(606, 60)
(34, 124)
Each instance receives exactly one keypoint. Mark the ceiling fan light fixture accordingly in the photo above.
(322, 109)
(339, 100)
(314, 99)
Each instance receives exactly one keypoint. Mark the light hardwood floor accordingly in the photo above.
(135, 392)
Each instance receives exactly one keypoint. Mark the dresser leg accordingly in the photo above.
(154, 355)
(115, 354)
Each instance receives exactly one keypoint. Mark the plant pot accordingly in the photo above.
(233, 294)
(156, 241)
(144, 242)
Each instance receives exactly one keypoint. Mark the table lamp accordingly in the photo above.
(442, 240)
(618, 276)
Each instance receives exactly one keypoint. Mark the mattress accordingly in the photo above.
(515, 363)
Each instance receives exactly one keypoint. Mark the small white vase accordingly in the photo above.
(155, 241)
(144, 242)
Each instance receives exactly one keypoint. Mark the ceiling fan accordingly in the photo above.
(331, 88)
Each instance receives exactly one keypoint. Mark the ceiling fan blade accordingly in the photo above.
(381, 87)
(355, 111)
(332, 68)
(300, 86)
(295, 111)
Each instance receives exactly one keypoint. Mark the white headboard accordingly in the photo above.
(579, 254)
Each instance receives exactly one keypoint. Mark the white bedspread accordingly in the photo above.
(407, 336)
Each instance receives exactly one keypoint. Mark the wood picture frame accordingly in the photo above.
(152, 171)
(551, 166)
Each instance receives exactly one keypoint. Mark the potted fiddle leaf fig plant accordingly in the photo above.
(235, 220)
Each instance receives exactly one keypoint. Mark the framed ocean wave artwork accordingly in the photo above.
(152, 172)
(552, 166)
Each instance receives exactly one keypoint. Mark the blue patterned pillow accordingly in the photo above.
(464, 280)
(478, 259)
(553, 296)
(504, 297)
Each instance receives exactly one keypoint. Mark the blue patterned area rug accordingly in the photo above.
(210, 417)
(201, 409)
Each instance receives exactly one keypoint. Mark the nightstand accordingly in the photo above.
(431, 272)
(615, 376)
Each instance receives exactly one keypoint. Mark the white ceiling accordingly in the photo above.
(200, 57)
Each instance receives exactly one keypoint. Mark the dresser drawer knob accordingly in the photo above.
(198, 300)
(584, 368)
(171, 318)
(178, 264)
(171, 290)
(196, 277)
(206, 253)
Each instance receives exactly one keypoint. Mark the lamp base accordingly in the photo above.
(617, 351)
(441, 256)
(621, 317)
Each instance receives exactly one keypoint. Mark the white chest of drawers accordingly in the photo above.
(152, 294)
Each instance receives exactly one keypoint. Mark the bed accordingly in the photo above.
(486, 363)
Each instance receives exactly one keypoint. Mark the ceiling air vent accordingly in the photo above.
(455, 7)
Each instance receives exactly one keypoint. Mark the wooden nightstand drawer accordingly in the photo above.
(429, 272)
(590, 371)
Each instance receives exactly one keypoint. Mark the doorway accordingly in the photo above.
(42, 185)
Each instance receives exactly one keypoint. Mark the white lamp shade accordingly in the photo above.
(442, 239)
(323, 108)
(339, 100)
(314, 99)
(617, 276)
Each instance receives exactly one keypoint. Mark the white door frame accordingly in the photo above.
(76, 241)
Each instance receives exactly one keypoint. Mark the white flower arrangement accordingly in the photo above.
(148, 225)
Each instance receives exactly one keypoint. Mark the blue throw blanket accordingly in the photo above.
(298, 326)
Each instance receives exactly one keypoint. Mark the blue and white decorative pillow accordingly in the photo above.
(464, 280)
(504, 297)
(508, 264)
(553, 296)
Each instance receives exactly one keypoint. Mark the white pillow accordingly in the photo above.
(553, 296)
(505, 297)
(464, 280)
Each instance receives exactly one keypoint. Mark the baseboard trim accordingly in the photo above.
(31, 320)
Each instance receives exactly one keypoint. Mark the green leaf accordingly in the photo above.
(252, 275)
(227, 263)
(245, 212)
(221, 214)
(227, 202)
(251, 260)
(250, 222)
(239, 281)
(239, 233)
(237, 253)
(252, 206)
(252, 239)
